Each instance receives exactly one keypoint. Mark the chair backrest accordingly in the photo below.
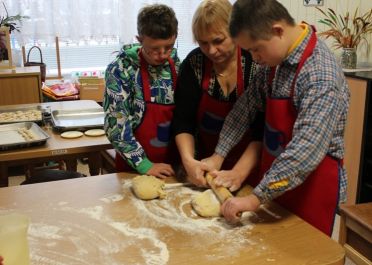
(46, 175)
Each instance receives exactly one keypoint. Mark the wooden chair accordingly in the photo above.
(108, 161)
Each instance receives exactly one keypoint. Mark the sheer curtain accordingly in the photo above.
(85, 20)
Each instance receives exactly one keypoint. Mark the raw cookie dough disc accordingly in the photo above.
(95, 132)
(148, 187)
(71, 134)
(206, 204)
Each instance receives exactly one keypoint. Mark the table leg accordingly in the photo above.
(94, 163)
(4, 178)
(71, 164)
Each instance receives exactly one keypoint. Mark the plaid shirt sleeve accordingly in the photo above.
(243, 114)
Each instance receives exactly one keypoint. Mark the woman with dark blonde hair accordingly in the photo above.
(211, 79)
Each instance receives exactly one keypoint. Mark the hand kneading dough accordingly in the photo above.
(206, 204)
(148, 187)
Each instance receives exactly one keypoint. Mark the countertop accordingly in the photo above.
(365, 75)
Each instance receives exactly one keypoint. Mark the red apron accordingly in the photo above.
(212, 114)
(154, 131)
(315, 200)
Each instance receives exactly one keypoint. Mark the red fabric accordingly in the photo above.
(157, 118)
(215, 111)
(315, 200)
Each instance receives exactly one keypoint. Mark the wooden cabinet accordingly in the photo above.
(21, 85)
(356, 232)
(358, 127)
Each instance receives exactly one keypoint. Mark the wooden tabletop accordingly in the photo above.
(97, 220)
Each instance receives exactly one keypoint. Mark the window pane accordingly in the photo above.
(85, 56)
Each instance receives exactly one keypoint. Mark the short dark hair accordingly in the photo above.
(256, 17)
(157, 21)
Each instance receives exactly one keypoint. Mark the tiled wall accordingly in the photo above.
(312, 15)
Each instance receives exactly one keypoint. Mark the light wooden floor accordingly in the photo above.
(83, 168)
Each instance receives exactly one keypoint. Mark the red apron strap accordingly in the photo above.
(239, 79)
(174, 73)
(207, 74)
(146, 79)
(307, 52)
(271, 75)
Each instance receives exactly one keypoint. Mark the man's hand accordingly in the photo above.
(231, 208)
(161, 170)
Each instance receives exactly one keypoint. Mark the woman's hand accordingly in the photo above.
(230, 179)
(231, 208)
(214, 162)
(195, 170)
(161, 170)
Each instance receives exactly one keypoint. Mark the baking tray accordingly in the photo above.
(80, 120)
(11, 135)
(19, 115)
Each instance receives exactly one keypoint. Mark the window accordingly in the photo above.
(83, 56)
(104, 26)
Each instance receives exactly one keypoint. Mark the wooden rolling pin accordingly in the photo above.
(222, 193)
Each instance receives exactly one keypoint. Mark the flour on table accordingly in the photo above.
(150, 234)
(112, 198)
(104, 236)
(152, 228)
(43, 230)
(95, 212)
(212, 231)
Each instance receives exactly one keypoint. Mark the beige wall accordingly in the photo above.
(311, 16)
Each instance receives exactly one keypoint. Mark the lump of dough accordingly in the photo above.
(148, 187)
(206, 204)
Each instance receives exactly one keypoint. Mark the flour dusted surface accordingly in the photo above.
(119, 228)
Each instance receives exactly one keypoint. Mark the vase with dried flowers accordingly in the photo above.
(347, 32)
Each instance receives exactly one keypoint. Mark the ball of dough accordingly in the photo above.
(148, 187)
(206, 204)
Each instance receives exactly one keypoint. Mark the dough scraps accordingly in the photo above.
(206, 204)
(148, 187)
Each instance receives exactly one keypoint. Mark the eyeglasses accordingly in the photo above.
(157, 50)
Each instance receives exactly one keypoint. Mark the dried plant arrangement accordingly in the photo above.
(347, 31)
